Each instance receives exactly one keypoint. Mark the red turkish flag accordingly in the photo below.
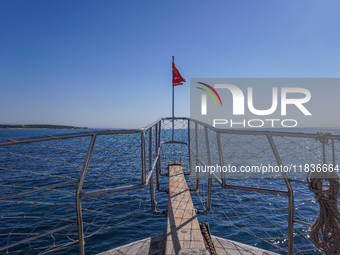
(177, 78)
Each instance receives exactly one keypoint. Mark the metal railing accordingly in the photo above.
(323, 138)
(204, 143)
(145, 176)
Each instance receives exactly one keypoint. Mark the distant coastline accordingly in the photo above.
(38, 126)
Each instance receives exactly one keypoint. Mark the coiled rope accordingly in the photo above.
(325, 231)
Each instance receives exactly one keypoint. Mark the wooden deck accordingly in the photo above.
(228, 247)
(156, 245)
(183, 230)
(149, 246)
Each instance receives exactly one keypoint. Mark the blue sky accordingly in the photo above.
(107, 64)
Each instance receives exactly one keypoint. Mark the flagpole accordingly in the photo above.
(173, 106)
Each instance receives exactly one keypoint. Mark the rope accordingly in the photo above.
(328, 221)
(207, 238)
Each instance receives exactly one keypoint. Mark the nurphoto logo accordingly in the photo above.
(258, 102)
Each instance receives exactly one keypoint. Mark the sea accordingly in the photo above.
(252, 218)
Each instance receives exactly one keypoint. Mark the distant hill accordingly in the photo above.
(37, 126)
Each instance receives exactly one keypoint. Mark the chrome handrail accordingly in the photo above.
(153, 131)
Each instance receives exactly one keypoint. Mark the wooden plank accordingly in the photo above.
(183, 230)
